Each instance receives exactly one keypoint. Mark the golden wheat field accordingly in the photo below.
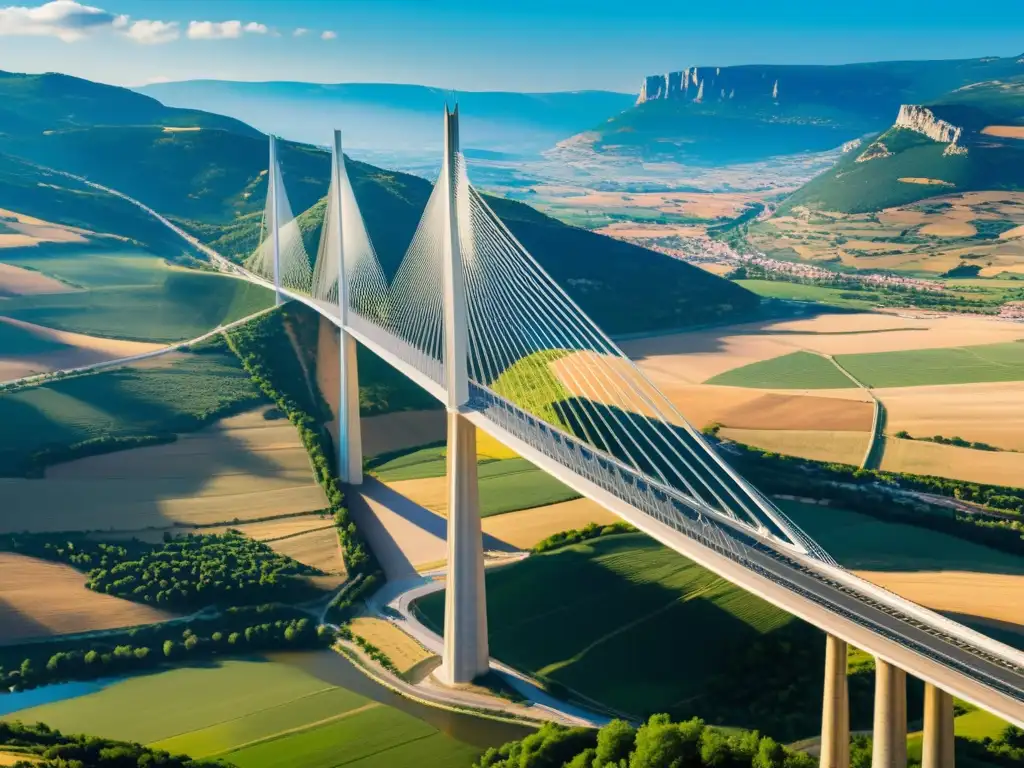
(989, 412)
(924, 458)
(39, 598)
(993, 596)
(16, 281)
(79, 350)
(28, 231)
(843, 447)
(404, 652)
(317, 549)
(243, 468)
(525, 528)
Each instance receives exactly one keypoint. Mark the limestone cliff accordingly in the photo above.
(923, 121)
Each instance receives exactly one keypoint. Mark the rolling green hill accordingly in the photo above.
(873, 178)
(741, 117)
(213, 181)
(54, 102)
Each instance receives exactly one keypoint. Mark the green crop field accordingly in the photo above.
(122, 402)
(836, 297)
(951, 365)
(378, 736)
(861, 542)
(131, 295)
(797, 370)
(616, 594)
(506, 485)
(255, 714)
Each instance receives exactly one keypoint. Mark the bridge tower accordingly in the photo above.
(350, 442)
(273, 181)
(466, 651)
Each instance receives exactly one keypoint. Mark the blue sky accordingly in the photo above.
(526, 45)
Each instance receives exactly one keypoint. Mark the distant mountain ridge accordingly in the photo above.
(212, 180)
(384, 116)
(711, 115)
(57, 102)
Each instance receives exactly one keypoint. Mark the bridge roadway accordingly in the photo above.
(928, 646)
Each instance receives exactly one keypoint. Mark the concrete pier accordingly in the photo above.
(835, 709)
(890, 732)
(938, 745)
(465, 619)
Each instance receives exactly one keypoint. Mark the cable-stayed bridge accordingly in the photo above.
(472, 318)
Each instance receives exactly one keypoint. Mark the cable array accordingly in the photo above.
(530, 343)
(294, 263)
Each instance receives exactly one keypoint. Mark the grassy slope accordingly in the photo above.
(121, 402)
(130, 295)
(990, 163)
(219, 708)
(910, 368)
(621, 593)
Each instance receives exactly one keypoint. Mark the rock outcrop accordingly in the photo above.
(874, 151)
(688, 84)
(923, 121)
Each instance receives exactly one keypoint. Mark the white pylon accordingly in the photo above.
(350, 446)
(466, 654)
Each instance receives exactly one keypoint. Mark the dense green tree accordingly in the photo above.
(614, 743)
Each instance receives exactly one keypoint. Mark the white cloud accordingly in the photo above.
(223, 30)
(328, 35)
(300, 31)
(154, 32)
(66, 20)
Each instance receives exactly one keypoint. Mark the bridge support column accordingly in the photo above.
(890, 733)
(937, 750)
(835, 710)
(350, 435)
(272, 184)
(465, 619)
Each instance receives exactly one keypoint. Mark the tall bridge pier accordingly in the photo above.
(889, 736)
(466, 654)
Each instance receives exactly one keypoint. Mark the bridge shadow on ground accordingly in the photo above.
(402, 533)
(637, 627)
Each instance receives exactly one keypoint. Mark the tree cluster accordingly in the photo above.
(183, 573)
(267, 354)
(575, 536)
(343, 606)
(236, 631)
(45, 747)
(658, 743)
(870, 493)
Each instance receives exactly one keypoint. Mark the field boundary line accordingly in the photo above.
(256, 712)
(288, 732)
(876, 443)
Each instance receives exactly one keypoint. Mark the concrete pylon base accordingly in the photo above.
(835, 710)
(938, 745)
(466, 653)
(890, 734)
